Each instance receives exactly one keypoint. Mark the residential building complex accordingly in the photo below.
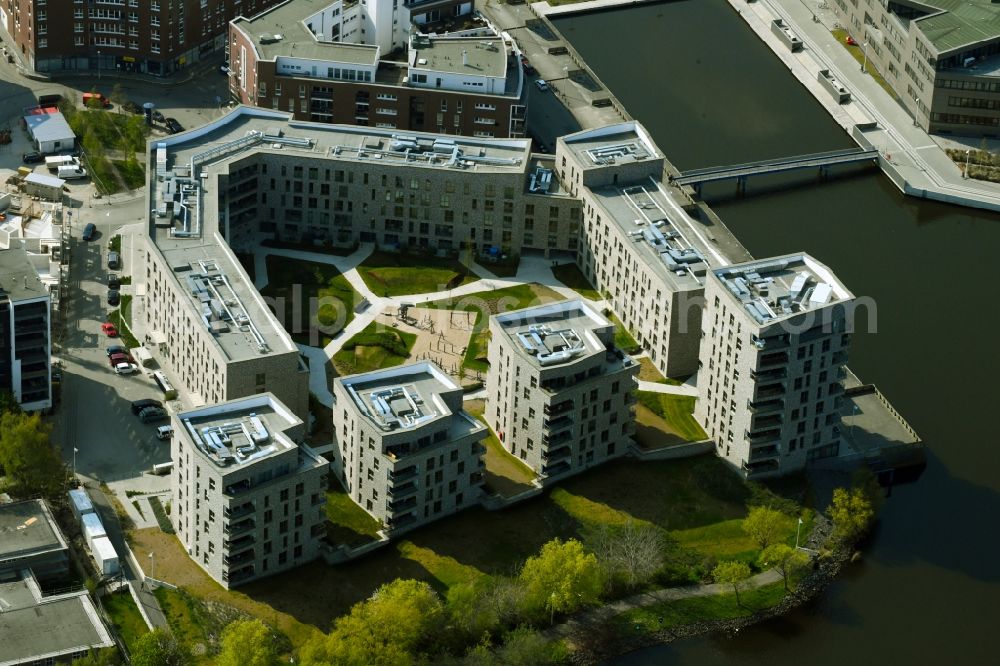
(155, 37)
(247, 494)
(773, 355)
(559, 394)
(407, 452)
(940, 56)
(30, 538)
(357, 64)
(25, 331)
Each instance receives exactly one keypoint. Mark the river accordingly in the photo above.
(928, 589)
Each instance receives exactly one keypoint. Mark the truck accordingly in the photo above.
(105, 555)
(53, 162)
(92, 528)
(79, 502)
(71, 172)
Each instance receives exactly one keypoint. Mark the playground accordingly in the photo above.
(442, 335)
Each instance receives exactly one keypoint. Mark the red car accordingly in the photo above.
(115, 359)
(109, 329)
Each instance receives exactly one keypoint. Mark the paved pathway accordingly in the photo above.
(683, 389)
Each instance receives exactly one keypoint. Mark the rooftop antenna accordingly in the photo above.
(465, 58)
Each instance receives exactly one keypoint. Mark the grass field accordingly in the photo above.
(349, 523)
(133, 173)
(486, 303)
(376, 347)
(676, 410)
(397, 274)
(125, 616)
(571, 276)
(504, 474)
(313, 300)
(623, 339)
(858, 54)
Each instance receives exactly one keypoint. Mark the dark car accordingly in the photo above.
(132, 107)
(158, 117)
(49, 100)
(89, 231)
(114, 282)
(150, 414)
(32, 158)
(115, 349)
(173, 127)
(140, 405)
(114, 297)
(114, 260)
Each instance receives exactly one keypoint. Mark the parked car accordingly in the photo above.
(114, 282)
(164, 432)
(114, 297)
(49, 100)
(173, 127)
(125, 369)
(115, 349)
(114, 260)
(121, 357)
(151, 414)
(109, 329)
(526, 65)
(32, 158)
(89, 231)
(132, 107)
(95, 100)
(71, 172)
(139, 405)
(542, 84)
(158, 117)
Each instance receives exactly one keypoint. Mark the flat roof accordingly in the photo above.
(44, 179)
(612, 144)
(281, 31)
(778, 288)
(18, 278)
(49, 127)
(555, 333)
(400, 398)
(36, 627)
(27, 528)
(240, 432)
(472, 56)
(960, 23)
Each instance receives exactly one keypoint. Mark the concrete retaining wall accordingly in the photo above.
(688, 450)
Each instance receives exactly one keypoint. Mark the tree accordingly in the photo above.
(525, 647)
(159, 648)
(764, 525)
(785, 559)
(390, 628)
(247, 643)
(105, 657)
(632, 552)
(118, 97)
(852, 514)
(732, 573)
(27, 457)
(561, 578)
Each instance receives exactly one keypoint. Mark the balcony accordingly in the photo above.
(762, 407)
(766, 423)
(561, 423)
(764, 467)
(557, 454)
(773, 343)
(239, 544)
(763, 436)
(839, 358)
(245, 556)
(240, 527)
(396, 522)
(400, 504)
(758, 454)
(768, 375)
(556, 469)
(238, 488)
(402, 491)
(558, 408)
(553, 441)
(775, 360)
(769, 391)
(242, 574)
(397, 476)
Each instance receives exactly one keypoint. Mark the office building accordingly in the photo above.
(357, 64)
(559, 394)
(247, 494)
(942, 58)
(408, 453)
(31, 539)
(773, 355)
(25, 331)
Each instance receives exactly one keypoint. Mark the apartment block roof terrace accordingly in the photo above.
(612, 144)
(779, 288)
(19, 280)
(474, 56)
(27, 528)
(283, 31)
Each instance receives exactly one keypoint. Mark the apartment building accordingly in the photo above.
(155, 37)
(640, 246)
(559, 394)
(25, 332)
(247, 494)
(357, 64)
(941, 57)
(775, 344)
(407, 452)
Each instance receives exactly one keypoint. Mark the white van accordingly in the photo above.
(71, 172)
(54, 162)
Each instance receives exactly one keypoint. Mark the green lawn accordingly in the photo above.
(124, 333)
(314, 300)
(623, 339)
(125, 616)
(649, 373)
(504, 474)
(571, 276)
(349, 523)
(181, 611)
(399, 274)
(486, 303)
(676, 410)
(377, 346)
(126, 308)
(133, 173)
(859, 54)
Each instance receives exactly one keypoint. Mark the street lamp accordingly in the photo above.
(864, 64)
(75, 450)
(152, 565)
(966, 173)
(797, 530)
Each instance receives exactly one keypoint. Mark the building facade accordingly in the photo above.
(407, 452)
(356, 64)
(942, 58)
(559, 394)
(25, 332)
(155, 37)
(247, 494)
(773, 353)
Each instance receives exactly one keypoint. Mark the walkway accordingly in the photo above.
(910, 156)
(655, 387)
(815, 160)
(609, 611)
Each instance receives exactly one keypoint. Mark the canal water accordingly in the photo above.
(928, 589)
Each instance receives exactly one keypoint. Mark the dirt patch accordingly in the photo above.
(442, 335)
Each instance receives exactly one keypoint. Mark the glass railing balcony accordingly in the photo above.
(762, 407)
(768, 374)
(403, 474)
(555, 440)
(402, 491)
(245, 556)
(240, 527)
(401, 504)
(559, 423)
(238, 544)
(557, 454)
(558, 408)
(772, 360)
(239, 511)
